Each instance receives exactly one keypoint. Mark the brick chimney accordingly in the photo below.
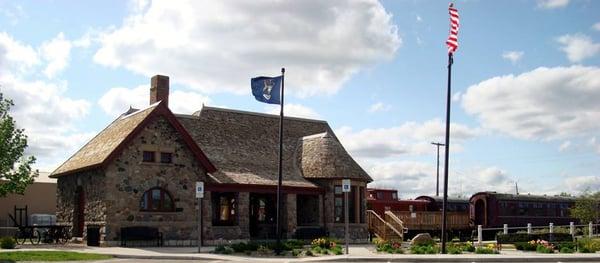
(159, 89)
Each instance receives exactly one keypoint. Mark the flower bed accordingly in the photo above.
(295, 248)
(391, 247)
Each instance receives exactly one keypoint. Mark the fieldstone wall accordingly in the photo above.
(291, 217)
(359, 232)
(127, 178)
(215, 235)
(93, 186)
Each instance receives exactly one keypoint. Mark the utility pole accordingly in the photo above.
(437, 182)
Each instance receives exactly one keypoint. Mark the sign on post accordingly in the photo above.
(346, 185)
(199, 189)
(199, 195)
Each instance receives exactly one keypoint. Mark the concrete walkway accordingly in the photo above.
(358, 253)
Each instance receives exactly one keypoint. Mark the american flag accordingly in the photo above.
(452, 41)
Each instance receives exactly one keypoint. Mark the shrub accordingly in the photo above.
(295, 252)
(239, 247)
(526, 246)
(424, 249)
(587, 245)
(392, 247)
(468, 246)
(485, 250)
(252, 246)
(264, 250)
(544, 249)
(454, 250)
(511, 238)
(309, 253)
(567, 250)
(293, 244)
(8, 243)
(569, 245)
(220, 248)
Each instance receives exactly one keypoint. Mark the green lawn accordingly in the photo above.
(49, 256)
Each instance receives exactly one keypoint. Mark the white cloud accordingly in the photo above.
(117, 100)
(321, 43)
(596, 26)
(551, 4)
(546, 103)
(16, 57)
(564, 146)
(56, 52)
(14, 13)
(409, 138)
(512, 56)
(293, 110)
(412, 178)
(379, 107)
(578, 47)
(41, 107)
(578, 184)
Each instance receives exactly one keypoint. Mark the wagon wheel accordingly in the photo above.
(21, 236)
(63, 235)
(35, 237)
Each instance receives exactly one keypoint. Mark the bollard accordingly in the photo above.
(551, 228)
(590, 230)
(505, 229)
(528, 228)
(572, 228)
(480, 235)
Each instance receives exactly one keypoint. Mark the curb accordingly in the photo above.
(499, 258)
(461, 259)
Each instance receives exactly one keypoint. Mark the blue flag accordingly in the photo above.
(267, 89)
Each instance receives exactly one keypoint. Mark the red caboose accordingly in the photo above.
(381, 200)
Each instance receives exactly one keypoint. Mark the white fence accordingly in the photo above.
(589, 230)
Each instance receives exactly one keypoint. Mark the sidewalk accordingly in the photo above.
(358, 253)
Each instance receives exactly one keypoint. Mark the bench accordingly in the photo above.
(310, 233)
(140, 233)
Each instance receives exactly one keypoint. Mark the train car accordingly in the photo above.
(491, 209)
(454, 204)
(381, 200)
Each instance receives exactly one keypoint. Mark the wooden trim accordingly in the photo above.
(256, 188)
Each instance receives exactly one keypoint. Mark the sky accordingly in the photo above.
(525, 79)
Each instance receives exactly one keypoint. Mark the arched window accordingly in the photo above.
(157, 200)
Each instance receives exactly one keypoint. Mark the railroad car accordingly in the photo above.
(491, 209)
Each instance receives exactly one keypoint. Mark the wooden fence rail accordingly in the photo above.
(432, 220)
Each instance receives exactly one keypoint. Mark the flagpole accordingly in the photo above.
(278, 225)
(445, 203)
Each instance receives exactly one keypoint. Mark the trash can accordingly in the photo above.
(93, 236)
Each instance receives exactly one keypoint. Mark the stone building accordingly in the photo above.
(142, 168)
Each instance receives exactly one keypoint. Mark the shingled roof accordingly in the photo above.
(100, 149)
(323, 156)
(244, 147)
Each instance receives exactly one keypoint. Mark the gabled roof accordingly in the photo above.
(322, 156)
(245, 146)
(109, 142)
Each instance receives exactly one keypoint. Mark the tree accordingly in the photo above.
(15, 169)
(586, 208)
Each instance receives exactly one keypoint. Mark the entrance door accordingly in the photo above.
(263, 216)
(480, 213)
(79, 213)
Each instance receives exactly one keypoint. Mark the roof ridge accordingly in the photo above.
(197, 113)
